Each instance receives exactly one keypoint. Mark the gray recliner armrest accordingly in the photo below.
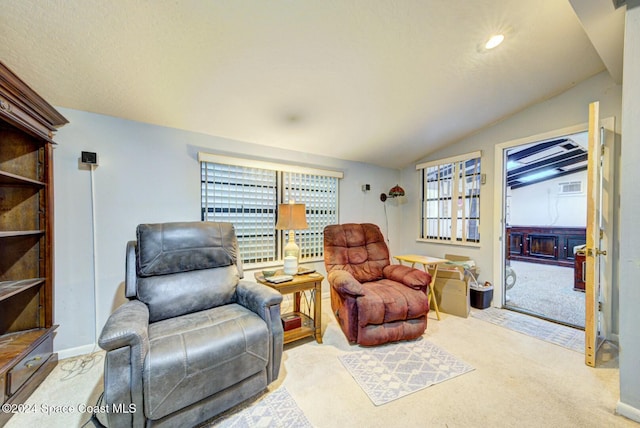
(127, 326)
(265, 301)
(256, 296)
(414, 278)
(125, 338)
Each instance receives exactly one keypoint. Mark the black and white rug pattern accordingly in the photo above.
(275, 409)
(392, 371)
(568, 337)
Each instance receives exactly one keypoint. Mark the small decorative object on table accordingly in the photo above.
(277, 279)
(290, 265)
(268, 273)
(291, 321)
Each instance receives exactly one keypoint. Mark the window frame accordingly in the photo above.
(281, 195)
(459, 219)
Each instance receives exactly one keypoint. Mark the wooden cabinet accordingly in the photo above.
(27, 123)
(548, 245)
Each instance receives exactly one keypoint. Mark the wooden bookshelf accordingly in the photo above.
(27, 125)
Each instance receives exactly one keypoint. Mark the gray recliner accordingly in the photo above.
(194, 339)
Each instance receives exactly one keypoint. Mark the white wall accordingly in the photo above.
(541, 204)
(629, 404)
(150, 174)
(565, 110)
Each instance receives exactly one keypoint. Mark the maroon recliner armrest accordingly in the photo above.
(344, 283)
(411, 277)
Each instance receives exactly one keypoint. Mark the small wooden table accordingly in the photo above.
(430, 265)
(298, 286)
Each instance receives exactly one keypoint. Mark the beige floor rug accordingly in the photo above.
(395, 370)
(275, 409)
(568, 337)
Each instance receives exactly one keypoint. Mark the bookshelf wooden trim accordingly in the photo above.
(15, 346)
(12, 233)
(17, 180)
(27, 388)
(25, 108)
(10, 288)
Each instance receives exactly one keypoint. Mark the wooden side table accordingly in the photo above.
(430, 265)
(308, 286)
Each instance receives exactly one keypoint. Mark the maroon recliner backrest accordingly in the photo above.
(357, 248)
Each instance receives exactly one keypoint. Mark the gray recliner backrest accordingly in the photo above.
(184, 267)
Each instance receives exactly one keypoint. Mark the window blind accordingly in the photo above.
(247, 195)
(320, 196)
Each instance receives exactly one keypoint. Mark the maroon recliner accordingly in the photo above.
(374, 301)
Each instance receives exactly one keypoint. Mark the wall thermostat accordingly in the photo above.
(89, 158)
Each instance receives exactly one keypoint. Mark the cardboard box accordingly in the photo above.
(456, 258)
(452, 291)
(465, 262)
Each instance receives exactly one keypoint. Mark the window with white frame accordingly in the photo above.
(451, 199)
(247, 193)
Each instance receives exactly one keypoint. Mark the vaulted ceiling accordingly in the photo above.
(379, 81)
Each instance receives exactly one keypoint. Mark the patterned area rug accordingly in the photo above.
(558, 334)
(392, 371)
(275, 409)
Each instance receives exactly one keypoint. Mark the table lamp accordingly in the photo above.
(291, 217)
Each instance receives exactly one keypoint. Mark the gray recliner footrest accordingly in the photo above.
(230, 342)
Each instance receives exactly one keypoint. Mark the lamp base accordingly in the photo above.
(291, 254)
(290, 265)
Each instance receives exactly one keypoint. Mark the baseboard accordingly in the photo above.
(628, 411)
(77, 351)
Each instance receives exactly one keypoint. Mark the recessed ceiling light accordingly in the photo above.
(494, 41)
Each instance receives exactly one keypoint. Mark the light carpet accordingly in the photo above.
(393, 371)
(274, 409)
(568, 337)
(517, 381)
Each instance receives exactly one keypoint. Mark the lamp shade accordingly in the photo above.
(292, 217)
(393, 193)
(396, 191)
